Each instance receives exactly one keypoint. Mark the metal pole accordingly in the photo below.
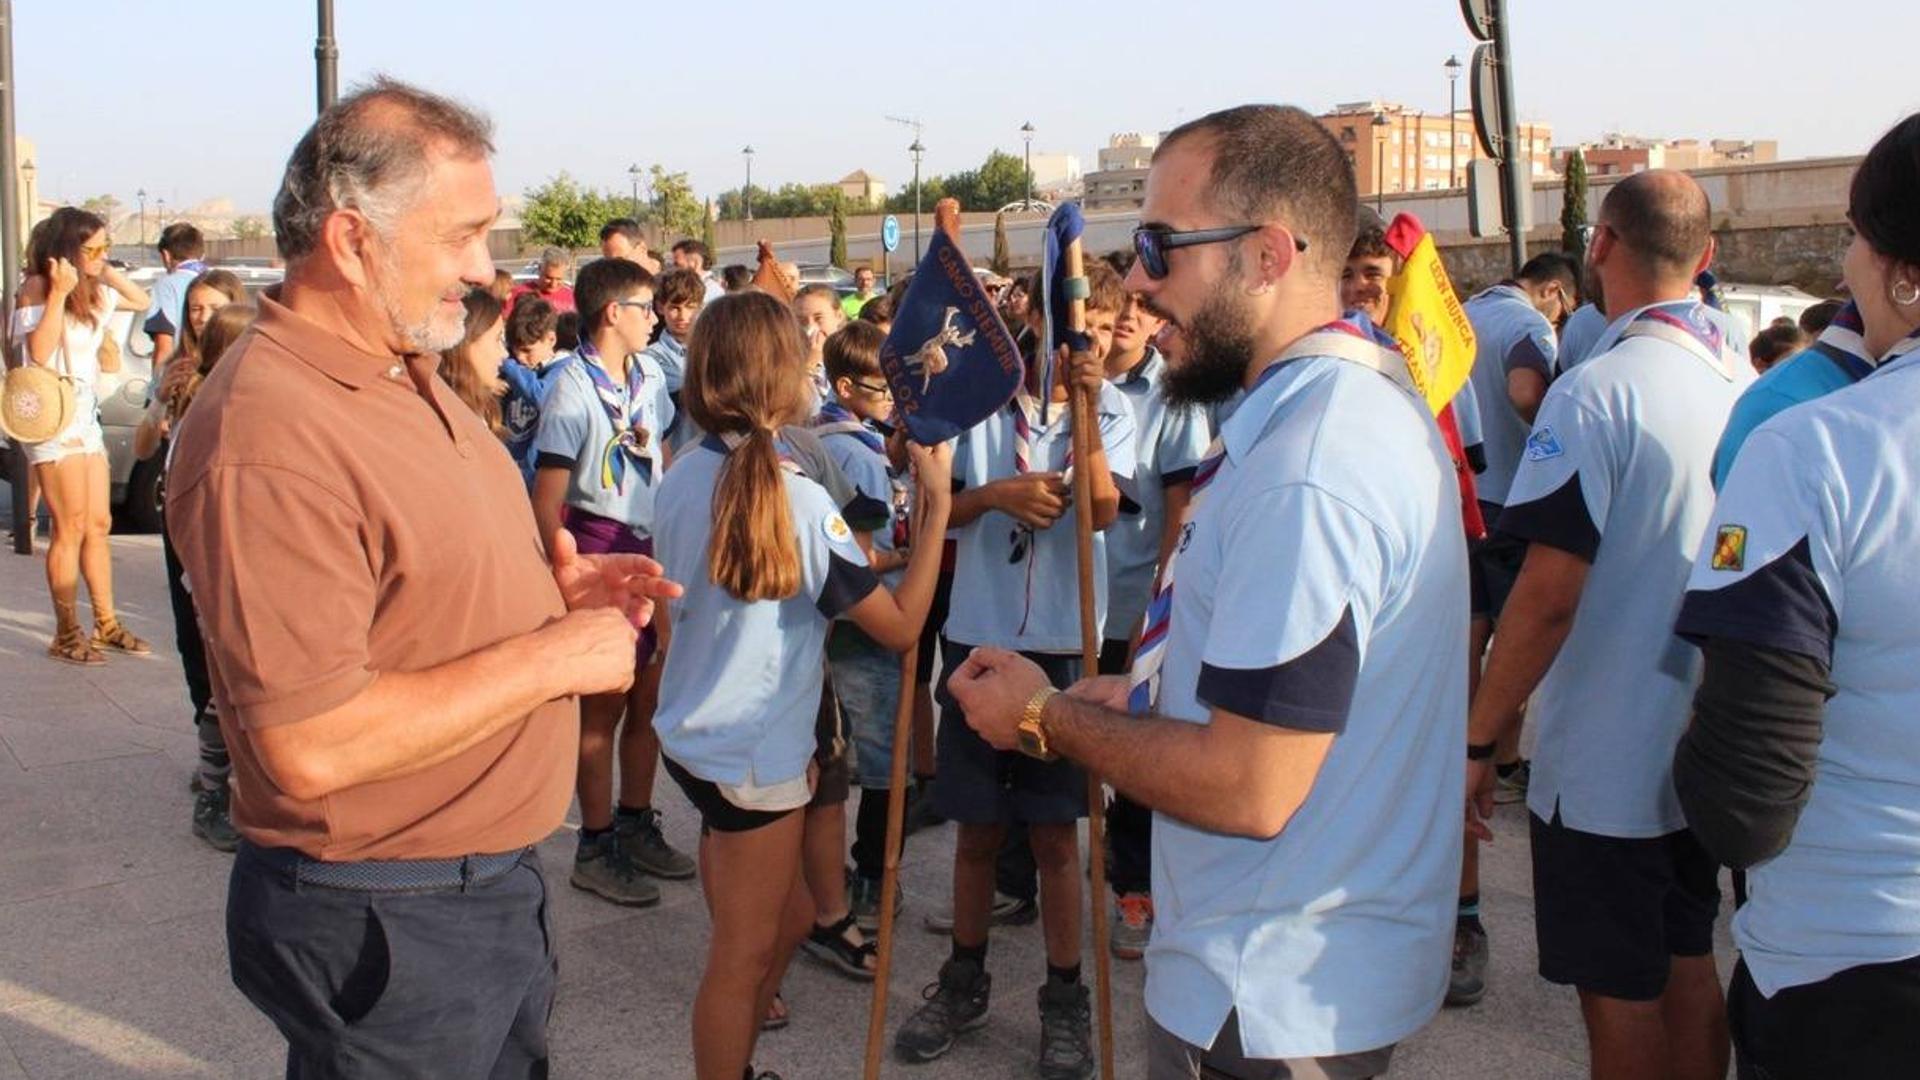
(1380, 176)
(10, 231)
(326, 59)
(747, 192)
(917, 151)
(142, 196)
(1518, 157)
(1026, 131)
(1453, 121)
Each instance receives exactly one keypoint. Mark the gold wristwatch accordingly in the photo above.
(1033, 731)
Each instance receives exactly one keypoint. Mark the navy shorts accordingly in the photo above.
(983, 786)
(1611, 913)
(1493, 566)
(716, 813)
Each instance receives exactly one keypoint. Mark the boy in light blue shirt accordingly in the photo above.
(599, 459)
(678, 296)
(529, 371)
(1015, 586)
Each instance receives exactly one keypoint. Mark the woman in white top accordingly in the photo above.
(61, 321)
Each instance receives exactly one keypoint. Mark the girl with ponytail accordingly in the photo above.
(768, 563)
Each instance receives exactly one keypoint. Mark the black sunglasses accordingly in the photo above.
(1152, 242)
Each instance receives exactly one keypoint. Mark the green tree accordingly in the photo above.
(562, 213)
(251, 227)
(1573, 209)
(837, 230)
(674, 206)
(1002, 257)
(1002, 180)
(932, 190)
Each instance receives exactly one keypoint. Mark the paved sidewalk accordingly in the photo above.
(113, 961)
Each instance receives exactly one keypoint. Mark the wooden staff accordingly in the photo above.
(946, 218)
(1086, 436)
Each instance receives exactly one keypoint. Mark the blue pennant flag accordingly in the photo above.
(948, 358)
(1063, 228)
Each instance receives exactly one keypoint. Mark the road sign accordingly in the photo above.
(1479, 16)
(1483, 83)
(890, 233)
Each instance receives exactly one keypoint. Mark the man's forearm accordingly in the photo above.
(1177, 768)
(1529, 639)
(406, 722)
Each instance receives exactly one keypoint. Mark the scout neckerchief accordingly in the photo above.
(1028, 412)
(729, 442)
(1688, 325)
(1844, 343)
(1351, 338)
(1906, 346)
(834, 419)
(632, 443)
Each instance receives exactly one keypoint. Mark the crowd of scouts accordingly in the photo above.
(745, 439)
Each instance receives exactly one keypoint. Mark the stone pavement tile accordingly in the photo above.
(1482, 1053)
(35, 744)
(10, 1068)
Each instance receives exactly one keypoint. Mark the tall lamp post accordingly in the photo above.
(916, 149)
(326, 58)
(1380, 163)
(1026, 132)
(633, 174)
(746, 193)
(1453, 120)
(142, 196)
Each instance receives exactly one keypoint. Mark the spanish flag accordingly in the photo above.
(1425, 316)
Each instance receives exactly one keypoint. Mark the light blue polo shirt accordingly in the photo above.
(1618, 472)
(574, 428)
(1509, 334)
(167, 313)
(671, 355)
(741, 687)
(882, 496)
(1169, 442)
(1811, 550)
(1837, 359)
(1317, 590)
(1581, 332)
(1015, 589)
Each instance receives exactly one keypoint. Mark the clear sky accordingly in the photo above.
(196, 99)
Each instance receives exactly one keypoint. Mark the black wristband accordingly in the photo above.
(1480, 751)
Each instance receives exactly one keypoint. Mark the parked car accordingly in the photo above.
(1037, 206)
(826, 274)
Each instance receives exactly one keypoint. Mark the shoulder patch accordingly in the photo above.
(836, 528)
(1543, 444)
(1730, 548)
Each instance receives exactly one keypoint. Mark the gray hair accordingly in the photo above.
(369, 152)
(553, 256)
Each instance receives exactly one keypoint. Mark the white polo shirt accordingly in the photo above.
(1812, 550)
(1168, 443)
(1509, 335)
(1318, 589)
(1017, 589)
(1618, 471)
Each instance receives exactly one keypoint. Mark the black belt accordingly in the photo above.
(388, 875)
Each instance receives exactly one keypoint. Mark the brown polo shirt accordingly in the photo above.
(336, 521)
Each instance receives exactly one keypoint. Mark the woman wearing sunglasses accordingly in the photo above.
(66, 305)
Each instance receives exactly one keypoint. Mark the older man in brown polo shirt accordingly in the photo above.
(396, 662)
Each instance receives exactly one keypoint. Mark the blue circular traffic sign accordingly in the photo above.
(890, 233)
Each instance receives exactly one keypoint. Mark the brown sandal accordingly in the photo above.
(70, 647)
(112, 635)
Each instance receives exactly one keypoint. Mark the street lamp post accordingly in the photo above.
(916, 150)
(746, 193)
(633, 173)
(1026, 131)
(1380, 164)
(1453, 120)
(160, 212)
(326, 58)
(142, 196)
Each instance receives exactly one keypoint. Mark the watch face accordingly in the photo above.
(1029, 741)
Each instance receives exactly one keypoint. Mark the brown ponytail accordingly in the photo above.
(746, 376)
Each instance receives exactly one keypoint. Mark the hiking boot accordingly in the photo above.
(1132, 925)
(957, 1003)
(647, 848)
(1512, 787)
(601, 867)
(1007, 911)
(863, 897)
(1066, 1032)
(1468, 982)
(210, 820)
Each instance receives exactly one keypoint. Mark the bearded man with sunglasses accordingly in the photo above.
(1296, 705)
